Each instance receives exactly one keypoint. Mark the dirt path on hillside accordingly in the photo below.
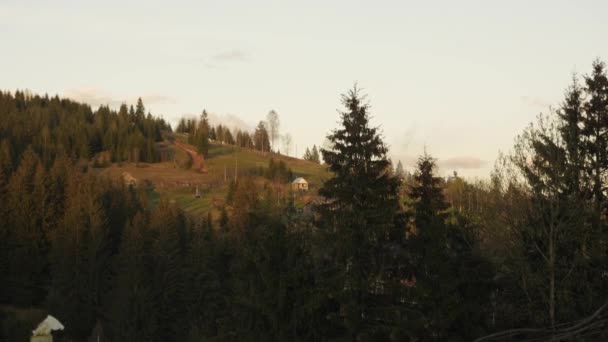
(198, 161)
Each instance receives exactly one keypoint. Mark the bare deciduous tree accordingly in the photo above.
(273, 126)
(286, 143)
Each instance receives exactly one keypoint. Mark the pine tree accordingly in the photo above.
(27, 276)
(399, 171)
(206, 300)
(5, 246)
(453, 282)
(273, 281)
(202, 134)
(244, 204)
(140, 112)
(427, 191)
(261, 138)
(571, 117)
(595, 132)
(219, 132)
(307, 155)
(80, 260)
(6, 158)
(132, 309)
(228, 138)
(314, 154)
(168, 278)
(362, 202)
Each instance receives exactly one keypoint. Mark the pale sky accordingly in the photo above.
(462, 78)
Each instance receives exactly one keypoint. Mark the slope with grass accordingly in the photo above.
(177, 180)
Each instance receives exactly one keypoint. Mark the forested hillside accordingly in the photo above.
(55, 127)
(381, 254)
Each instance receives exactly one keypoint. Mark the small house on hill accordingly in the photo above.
(129, 180)
(299, 184)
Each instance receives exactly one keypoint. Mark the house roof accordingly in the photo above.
(299, 180)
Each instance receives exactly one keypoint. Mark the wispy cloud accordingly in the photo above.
(235, 55)
(98, 97)
(223, 59)
(462, 162)
(534, 101)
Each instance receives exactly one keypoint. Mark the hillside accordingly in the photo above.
(177, 179)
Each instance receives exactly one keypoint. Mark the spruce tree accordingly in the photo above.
(169, 251)
(5, 246)
(261, 139)
(314, 154)
(131, 311)
(307, 155)
(6, 158)
(27, 276)
(202, 134)
(452, 283)
(140, 112)
(361, 204)
(427, 192)
(399, 171)
(595, 132)
(80, 260)
(570, 115)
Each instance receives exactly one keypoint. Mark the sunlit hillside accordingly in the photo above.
(176, 180)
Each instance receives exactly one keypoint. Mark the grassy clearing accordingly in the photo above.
(172, 183)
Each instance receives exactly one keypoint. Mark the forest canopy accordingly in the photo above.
(381, 254)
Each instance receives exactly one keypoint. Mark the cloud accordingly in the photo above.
(156, 98)
(231, 121)
(96, 97)
(92, 96)
(534, 101)
(462, 162)
(222, 59)
(235, 55)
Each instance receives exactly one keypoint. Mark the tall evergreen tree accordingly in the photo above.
(314, 154)
(595, 132)
(452, 283)
(5, 246)
(131, 309)
(140, 111)
(6, 158)
(571, 117)
(399, 171)
(361, 205)
(261, 139)
(81, 260)
(28, 265)
(202, 134)
(307, 155)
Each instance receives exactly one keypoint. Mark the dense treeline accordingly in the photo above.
(312, 155)
(547, 203)
(383, 255)
(200, 132)
(52, 126)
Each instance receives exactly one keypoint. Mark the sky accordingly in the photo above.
(458, 78)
